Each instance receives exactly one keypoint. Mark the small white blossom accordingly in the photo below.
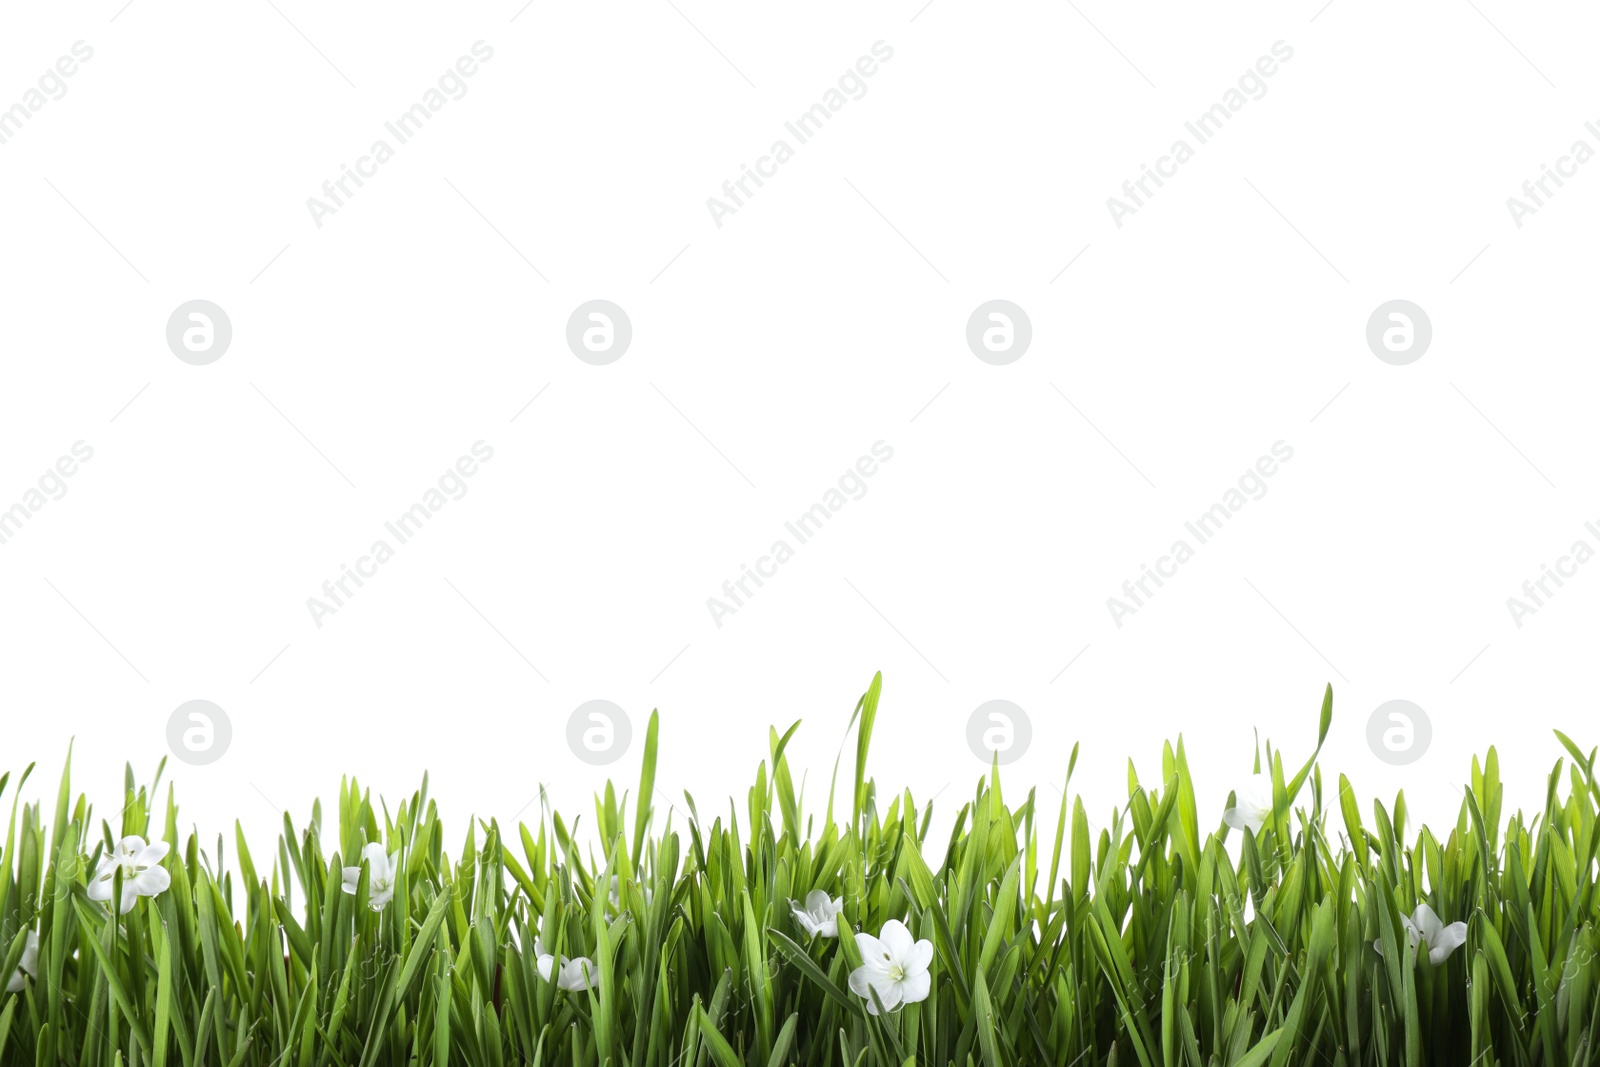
(1253, 804)
(574, 975)
(1424, 925)
(894, 966)
(819, 916)
(385, 871)
(142, 873)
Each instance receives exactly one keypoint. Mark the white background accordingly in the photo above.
(768, 354)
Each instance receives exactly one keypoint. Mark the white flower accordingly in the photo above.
(1424, 925)
(142, 873)
(1254, 804)
(820, 915)
(385, 869)
(29, 963)
(893, 966)
(575, 974)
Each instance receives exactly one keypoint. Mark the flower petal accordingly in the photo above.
(579, 974)
(860, 978)
(151, 854)
(872, 1005)
(891, 993)
(28, 965)
(896, 940)
(1450, 938)
(921, 955)
(818, 904)
(1426, 922)
(375, 857)
(1243, 819)
(1253, 804)
(149, 883)
(916, 986)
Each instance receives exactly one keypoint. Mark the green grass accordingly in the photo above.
(1165, 939)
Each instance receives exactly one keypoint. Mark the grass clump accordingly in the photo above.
(1324, 936)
